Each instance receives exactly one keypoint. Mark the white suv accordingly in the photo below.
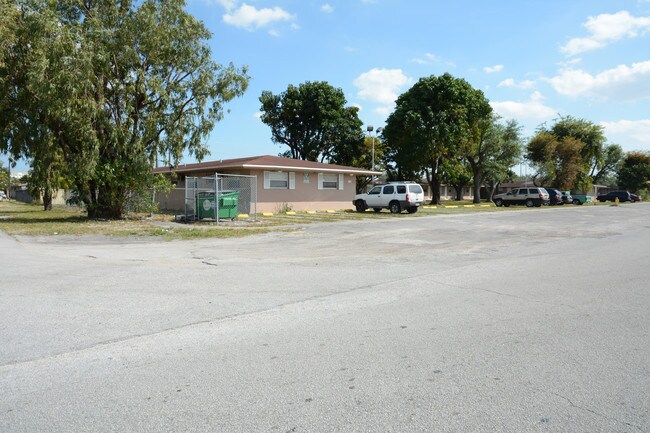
(394, 196)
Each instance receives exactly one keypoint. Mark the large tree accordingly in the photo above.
(107, 86)
(502, 149)
(605, 166)
(313, 120)
(432, 121)
(484, 145)
(572, 153)
(558, 161)
(634, 171)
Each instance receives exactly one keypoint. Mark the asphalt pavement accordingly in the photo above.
(535, 320)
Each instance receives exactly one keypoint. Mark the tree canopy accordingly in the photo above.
(501, 149)
(634, 171)
(96, 91)
(313, 121)
(431, 122)
(572, 154)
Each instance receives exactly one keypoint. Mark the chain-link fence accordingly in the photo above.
(220, 197)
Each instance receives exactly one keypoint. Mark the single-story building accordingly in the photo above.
(281, 182)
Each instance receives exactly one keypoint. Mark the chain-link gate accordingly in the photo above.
(220, 197)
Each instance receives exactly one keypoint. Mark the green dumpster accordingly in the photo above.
(229, 205)
(206, 206)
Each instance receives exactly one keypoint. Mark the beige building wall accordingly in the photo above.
(304, 196)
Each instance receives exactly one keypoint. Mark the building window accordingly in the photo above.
(330, 181)
(279, 180)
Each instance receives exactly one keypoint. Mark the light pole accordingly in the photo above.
(370, 128)
(372, 167)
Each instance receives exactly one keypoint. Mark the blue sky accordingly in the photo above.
(533, 59)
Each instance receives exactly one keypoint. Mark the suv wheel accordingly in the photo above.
(395, 207)
(576, 201)
(361, 206)
(412, 209)
(498, 202)
(529, 202)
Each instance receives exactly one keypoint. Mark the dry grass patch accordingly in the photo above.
(30, 220)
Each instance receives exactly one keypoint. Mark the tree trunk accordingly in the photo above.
(47, 199)
(434, 184)
(459, 192)
(493, 189)
(477, 175)
(433, 177)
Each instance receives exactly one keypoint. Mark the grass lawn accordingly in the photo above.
(18, 218)
(27, 219)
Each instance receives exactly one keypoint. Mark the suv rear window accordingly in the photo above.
(389, 189)
(522, 191)
(533, 191)
(416, 189)
(401, 189)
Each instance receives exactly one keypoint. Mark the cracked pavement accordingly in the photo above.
(517, 321)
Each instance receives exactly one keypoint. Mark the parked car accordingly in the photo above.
(536, 196)
(566, 197)
(394, 196)
(581, 199)
(635, 197)
(613, 195)
(554, 196)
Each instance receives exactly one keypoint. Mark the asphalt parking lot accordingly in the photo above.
(535, 321)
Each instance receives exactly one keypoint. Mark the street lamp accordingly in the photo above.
(370, 128)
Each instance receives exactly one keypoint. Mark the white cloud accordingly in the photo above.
(606, 28)
(350, 49)
(227, 4)
(327, 8)
(533, 109)
(492, 69)
(430, 58)
(510, 82)
(258, 115)
(250, 18)
(381, 85)
(630, 134)
(622, 83)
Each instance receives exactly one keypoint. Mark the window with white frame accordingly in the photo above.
(330, 181)
(279, 180)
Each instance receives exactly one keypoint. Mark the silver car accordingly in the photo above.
(529, 196)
